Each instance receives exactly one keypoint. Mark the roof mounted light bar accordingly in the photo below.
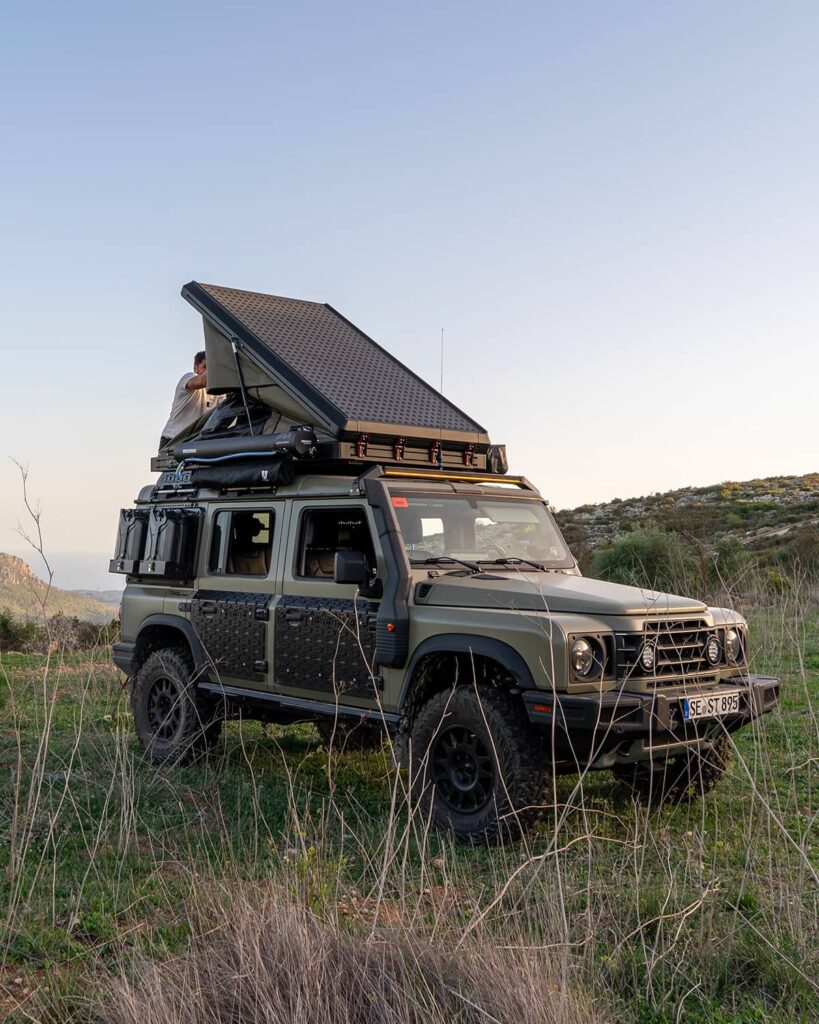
(470, 478)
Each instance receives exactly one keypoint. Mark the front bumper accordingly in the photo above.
(618, 726)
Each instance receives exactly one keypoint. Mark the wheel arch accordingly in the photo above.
(469, 654)
(158, 631)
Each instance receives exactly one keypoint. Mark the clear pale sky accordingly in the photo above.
(611, 209)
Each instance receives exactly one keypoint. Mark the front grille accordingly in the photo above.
(679, 652)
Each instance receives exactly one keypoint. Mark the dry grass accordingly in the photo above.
(261, 956)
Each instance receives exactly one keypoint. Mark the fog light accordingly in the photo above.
(582, 657)
(713, 651)
(733, 645)
(648, 657)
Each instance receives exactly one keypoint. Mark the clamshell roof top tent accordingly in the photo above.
(312, 365)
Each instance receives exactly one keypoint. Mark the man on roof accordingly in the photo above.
(190, 401)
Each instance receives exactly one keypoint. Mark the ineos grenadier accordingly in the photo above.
(383, 583)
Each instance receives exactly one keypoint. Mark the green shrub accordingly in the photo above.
(646, 557)
(20, 634)
(70, 634)
(728, 562)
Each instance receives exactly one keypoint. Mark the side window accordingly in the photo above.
(327, 530)
(241, 543)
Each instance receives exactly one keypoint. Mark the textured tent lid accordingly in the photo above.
(316, 360)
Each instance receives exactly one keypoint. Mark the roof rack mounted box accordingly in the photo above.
(310, 364)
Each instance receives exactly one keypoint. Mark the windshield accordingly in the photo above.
(478, 529)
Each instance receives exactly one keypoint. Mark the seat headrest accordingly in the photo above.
(411, 527)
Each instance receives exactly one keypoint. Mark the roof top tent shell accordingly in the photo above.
(310, 363)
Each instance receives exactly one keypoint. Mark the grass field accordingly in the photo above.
(128, 893)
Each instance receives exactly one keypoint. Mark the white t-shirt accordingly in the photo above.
(188, 406)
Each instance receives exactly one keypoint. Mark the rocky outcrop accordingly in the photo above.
(15, 570)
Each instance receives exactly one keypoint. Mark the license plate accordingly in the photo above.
(710, 705)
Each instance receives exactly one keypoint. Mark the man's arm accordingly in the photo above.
(196, 381)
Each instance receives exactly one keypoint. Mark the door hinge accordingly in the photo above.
(260, 667)
(262, 614)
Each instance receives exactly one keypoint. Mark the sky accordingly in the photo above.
(610, 209)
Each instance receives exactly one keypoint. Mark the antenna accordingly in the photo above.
(441, 393)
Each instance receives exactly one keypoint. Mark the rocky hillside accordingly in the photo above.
(21, 592)
(772, 518)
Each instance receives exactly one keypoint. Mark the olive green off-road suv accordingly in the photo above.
(373, 569)
(439, 607)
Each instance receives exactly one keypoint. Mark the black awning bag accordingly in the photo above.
(296, 443)
(229, 475)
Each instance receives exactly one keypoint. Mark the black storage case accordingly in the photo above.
(170, 549)
(131, 537)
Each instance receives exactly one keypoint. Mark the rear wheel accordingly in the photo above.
(172, 720)
(477, 765)
(679, 779)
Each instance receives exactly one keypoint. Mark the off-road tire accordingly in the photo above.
(680, 779)
(173, 722)
(340, 735)
(477, 766)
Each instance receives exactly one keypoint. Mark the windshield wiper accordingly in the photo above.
(447, 560)
(514, 561)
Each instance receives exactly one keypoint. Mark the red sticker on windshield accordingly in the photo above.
(400, 503)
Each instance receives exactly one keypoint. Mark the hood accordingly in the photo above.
(552, 592)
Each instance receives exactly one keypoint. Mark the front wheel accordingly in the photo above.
(679, 779)
(172, 721)
(477, 766)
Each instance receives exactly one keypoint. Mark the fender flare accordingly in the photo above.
(464, 643)
(200, 658)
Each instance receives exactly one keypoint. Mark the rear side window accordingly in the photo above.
(241, 543)
(327, 530)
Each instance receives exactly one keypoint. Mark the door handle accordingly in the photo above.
(295, 617)
(208, 607)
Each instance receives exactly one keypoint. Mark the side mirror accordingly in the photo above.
(351, 567)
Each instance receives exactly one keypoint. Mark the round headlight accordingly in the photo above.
(582, 657)
(713, 651)
(648, 656)
(733, 645)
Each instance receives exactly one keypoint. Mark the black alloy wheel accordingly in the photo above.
(163, 708)
(477, 766)
(173, 720)
(462, 769)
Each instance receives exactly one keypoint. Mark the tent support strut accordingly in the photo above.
(234, 344)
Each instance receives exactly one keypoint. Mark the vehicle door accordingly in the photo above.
(325, 631)
(232, 607)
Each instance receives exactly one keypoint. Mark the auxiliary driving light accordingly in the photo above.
(713, 651)
(733, 645)
(648, 657)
